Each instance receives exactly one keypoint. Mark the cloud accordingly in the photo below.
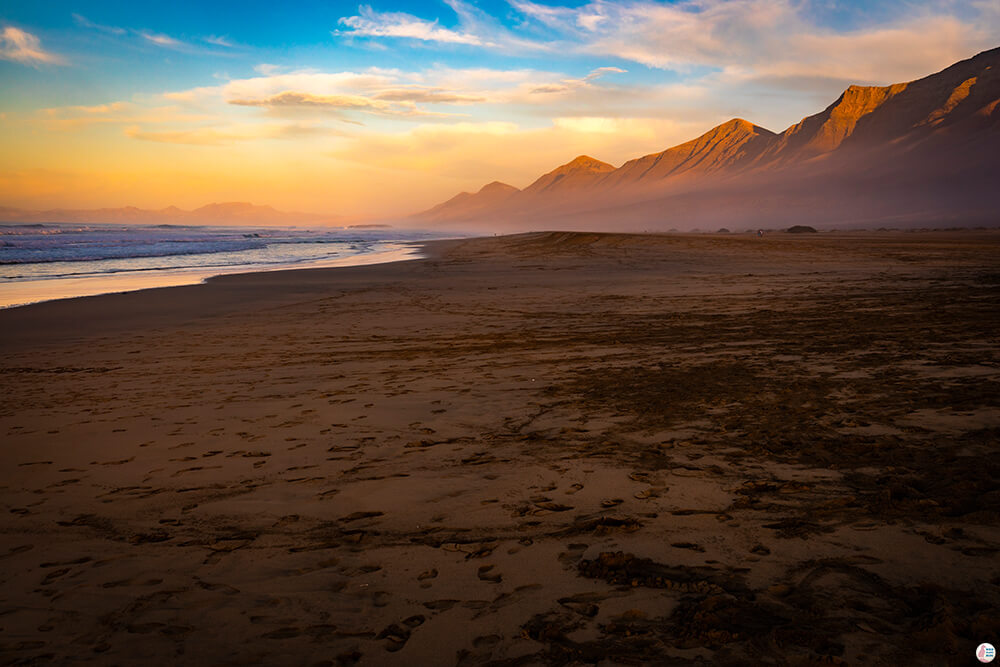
(601, 71)
(23, 47)
(427, 95)
(567, 85)
(743, 39)
(83, 22)
(112, 113)
(290, 99)
(159, 39)
(165, 41)
(370, 23)
(219, 41)
(229, 134)
(382, 91)
(267, 69)
(770, 38)
(483, 94)
(475, 28)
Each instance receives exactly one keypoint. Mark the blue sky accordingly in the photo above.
(331, 100)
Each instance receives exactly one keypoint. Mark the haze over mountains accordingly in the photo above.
(921, 153)
(228, 213)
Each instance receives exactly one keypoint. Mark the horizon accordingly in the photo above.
(379, 111)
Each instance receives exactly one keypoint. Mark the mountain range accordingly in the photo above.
(228, 213)
(926, 152)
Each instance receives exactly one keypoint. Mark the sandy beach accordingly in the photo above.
(542, 449)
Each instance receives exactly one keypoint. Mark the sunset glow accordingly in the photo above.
(382, 110)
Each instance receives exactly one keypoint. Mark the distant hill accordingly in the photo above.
(467, 205)
(926, 152)
(228, 213)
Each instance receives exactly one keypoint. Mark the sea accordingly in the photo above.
(41, 262)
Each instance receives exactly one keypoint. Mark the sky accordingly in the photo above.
(378, 110)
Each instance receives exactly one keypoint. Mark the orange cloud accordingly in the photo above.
(23, 47)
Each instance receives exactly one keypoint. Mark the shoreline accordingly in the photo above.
(546, 448)
(423, 249)
(53, 289)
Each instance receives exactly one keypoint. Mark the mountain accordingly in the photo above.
(228, 213)
(826, 131)
(577, 175)
(581, 173)
(921, 152)
(467, 205)
(732, 145)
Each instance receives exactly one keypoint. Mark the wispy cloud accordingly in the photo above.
(427, 95)
(567, 85)
(23, 47)
(71, 118)
(160, 39)
(369, 23)
(165, 41)
(229, 134)
(218, 41)
(374, 105)
(84, 22)
(296, 99)
(773, 38)
(742, 38)
(475, 28)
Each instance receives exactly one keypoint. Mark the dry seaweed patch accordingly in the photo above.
(806, 618)
(825, 386)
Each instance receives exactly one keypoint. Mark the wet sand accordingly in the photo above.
(529, 450)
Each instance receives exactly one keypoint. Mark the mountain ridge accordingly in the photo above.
(922, 133)
(579, 172)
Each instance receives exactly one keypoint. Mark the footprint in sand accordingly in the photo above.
(119, 462)
(440, 605)
(484, 574)
(53, 575)
(486, 641)
(396, 637)
(221, 588)
(553, 507)
(18, 550)
(349, 658)
(282, 633)
(356, 516)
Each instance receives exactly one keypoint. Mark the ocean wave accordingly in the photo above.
(89, 252)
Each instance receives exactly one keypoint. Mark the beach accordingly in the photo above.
(542, 449)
